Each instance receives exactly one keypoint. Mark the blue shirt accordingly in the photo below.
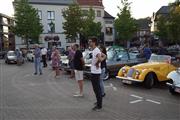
(37, 53)
(147, 53)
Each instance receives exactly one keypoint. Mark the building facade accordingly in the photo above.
(7, 39)
(50, 14)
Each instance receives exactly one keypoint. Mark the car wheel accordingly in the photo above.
(107, 76)
(171, 88)
(149, 81)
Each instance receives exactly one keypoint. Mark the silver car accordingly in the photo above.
(174, 85)
(11, 57)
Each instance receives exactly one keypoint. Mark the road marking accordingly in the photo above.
(148, 100)
(140, 99)
(135, 101)
(111, 86)
(136, 96)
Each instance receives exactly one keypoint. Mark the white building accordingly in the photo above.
(50, 13)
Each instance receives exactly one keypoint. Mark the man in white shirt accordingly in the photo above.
(97, 57)
(44, 55)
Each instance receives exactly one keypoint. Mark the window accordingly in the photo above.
(40, 14)
(109, 22)
(51, 27)
(98, 13)
(109, 30)
(51, 15)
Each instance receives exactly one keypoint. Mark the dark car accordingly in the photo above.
(115, 60)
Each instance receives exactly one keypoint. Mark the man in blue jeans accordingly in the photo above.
(37, 60)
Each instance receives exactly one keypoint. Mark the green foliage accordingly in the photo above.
(78, 23)
(169, 26)
(91, 28)
(125, 25)
(73, 21)
(162, 28)
(27, 22)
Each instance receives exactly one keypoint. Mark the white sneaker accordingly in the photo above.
(78, 95)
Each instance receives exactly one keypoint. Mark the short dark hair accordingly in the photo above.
(76, 45)
(94, 40)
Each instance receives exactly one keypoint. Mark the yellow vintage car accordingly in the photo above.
(155, 70)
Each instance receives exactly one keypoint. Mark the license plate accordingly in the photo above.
(127, 81)
(177, 90)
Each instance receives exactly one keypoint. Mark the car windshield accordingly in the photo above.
(11, 54)
(121, 54)
(160, 58)
(110, 55)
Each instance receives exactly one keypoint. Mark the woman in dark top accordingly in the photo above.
(103, 69)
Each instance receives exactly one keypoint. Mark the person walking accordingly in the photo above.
(44, 56)
(37, 60)
(103, 69)
(56, 62)
(78, 69)
(96, 72)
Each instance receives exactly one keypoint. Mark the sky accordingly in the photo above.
(139, 8)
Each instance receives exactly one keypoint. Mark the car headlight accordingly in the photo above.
(124, 70)
(137, 72)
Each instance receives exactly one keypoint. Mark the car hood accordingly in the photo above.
(175, 76)
(149, 65)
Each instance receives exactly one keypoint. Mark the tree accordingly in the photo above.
(90, 27)
(162, 28)
(27, 22)
(168, 27)
(174, 22)
(73, 22)
(125, 25)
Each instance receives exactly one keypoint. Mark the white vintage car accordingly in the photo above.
(174, 85)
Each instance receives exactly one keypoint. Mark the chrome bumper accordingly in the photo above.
(128, 79)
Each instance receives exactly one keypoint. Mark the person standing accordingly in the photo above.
(96, 72)
(103, 69)
(44, 56)
(78, 69)
(18, 56)
(71, 54)
(147, 51)
(56, 62)
(37, 60)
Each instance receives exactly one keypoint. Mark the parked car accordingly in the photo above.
(10, 57)
(87, 55)
(116, 59)
(30, 55)
(156, 70)
(174, 84)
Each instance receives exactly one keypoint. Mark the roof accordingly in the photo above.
(107, 15)
(143, 23)
(90, 2)
(52, 2)
(164, 10)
